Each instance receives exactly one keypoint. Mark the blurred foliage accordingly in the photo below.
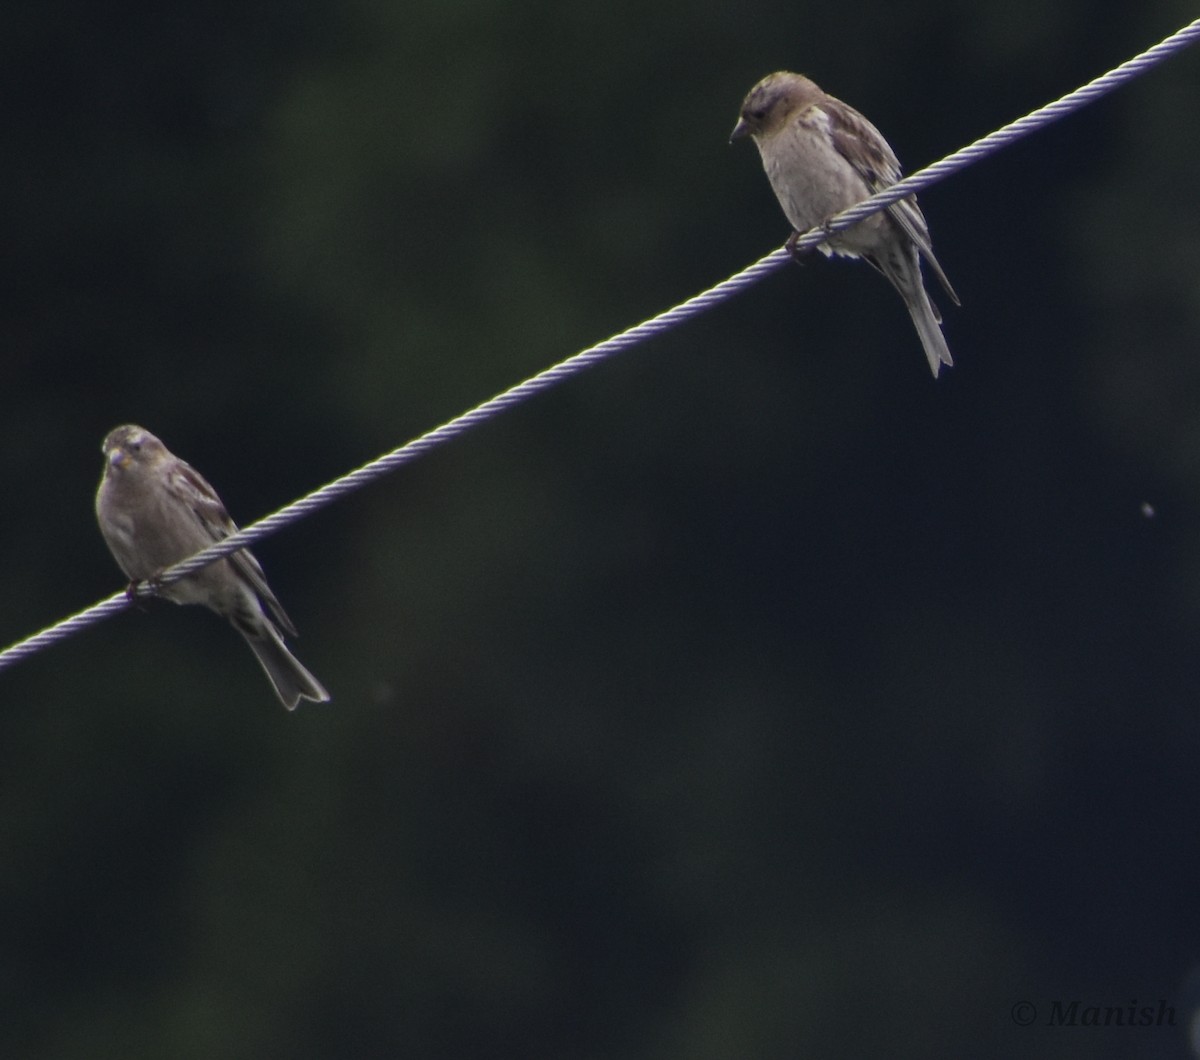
(750, 695)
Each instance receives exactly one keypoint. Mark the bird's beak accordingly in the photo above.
(119, 458)
(740, 130)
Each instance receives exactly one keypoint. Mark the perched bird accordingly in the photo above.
(822, 157)
(154, 511)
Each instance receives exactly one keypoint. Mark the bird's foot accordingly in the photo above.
(799, 253)
(131, 590)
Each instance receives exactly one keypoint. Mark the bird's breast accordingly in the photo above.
(813, 182)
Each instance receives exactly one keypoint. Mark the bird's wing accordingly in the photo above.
(193, 490)
(872, 158)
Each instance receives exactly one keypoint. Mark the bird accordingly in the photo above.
(821, 157)
(154, 511)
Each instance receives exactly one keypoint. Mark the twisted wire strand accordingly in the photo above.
(383, 465)
(1007, 135)
(665, 321)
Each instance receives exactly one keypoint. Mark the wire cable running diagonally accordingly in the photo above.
(1007, 135)
(665, 321)
(383, 465)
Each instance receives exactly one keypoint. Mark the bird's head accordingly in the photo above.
(130, 446)
(769, 104)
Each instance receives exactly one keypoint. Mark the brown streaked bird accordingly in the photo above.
(155, 510)
(822, 157)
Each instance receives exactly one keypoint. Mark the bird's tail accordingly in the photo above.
(291, 680)
(904, 272)
(925, 319)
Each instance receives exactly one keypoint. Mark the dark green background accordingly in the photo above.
(750, 695)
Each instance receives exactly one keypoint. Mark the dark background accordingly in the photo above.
(750, 695)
